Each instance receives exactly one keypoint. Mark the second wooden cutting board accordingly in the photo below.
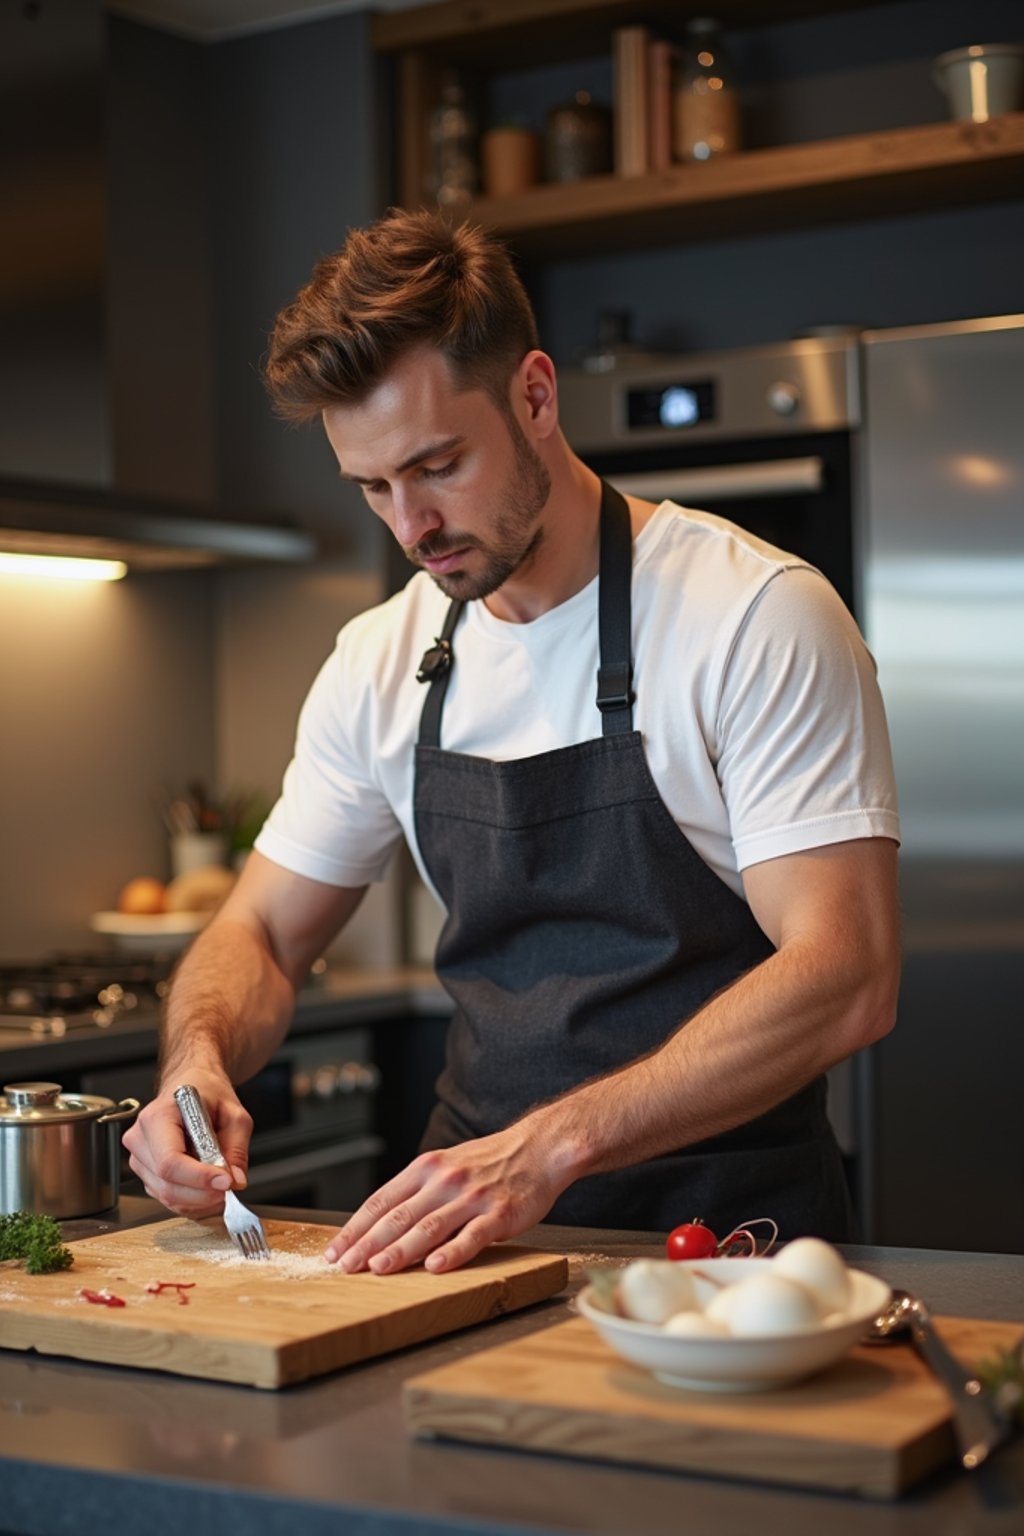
(874, 1424)
(266, 1324)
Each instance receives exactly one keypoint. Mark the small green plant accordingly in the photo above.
(36, 1239)
(1003, 1374)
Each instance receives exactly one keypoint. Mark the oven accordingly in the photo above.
(314, 1108)
(763, 436)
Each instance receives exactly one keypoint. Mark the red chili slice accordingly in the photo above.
(102, 1298)
(181, 1286)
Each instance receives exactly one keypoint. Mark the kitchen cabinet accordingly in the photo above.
(409, 1053)
(893, 170)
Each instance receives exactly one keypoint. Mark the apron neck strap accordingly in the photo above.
(614, 598)
(436, 670)
(615, 673)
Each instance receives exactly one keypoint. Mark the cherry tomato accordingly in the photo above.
(693, 1240)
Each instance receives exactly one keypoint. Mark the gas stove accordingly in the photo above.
(66, 991)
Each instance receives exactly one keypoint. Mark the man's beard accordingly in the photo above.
(516, 534)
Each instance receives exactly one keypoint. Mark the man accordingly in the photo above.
(640, 756)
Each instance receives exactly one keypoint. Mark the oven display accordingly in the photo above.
(672, 406)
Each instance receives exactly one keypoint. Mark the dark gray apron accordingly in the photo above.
(582, 929)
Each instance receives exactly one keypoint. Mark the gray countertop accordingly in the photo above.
(90, 1449)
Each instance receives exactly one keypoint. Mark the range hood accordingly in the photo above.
(108, 436)
(41, 519)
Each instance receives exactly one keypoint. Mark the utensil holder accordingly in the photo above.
(197, 850)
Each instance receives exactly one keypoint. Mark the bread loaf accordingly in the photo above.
(200, 890)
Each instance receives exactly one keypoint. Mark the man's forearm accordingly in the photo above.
(745, 1051)
(229, 1005)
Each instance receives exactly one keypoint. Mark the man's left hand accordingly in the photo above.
(449, 1204)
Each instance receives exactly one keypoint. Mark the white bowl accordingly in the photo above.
(732, 1364)
(158, 933)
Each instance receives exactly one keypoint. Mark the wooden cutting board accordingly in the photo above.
(873, 1424)
(267, 1324)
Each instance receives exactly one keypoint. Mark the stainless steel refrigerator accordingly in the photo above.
(941, 570)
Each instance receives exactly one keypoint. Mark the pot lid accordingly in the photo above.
(45, 1104)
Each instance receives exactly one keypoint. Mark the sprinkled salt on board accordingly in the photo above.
(302, 1258)
(579, 1263)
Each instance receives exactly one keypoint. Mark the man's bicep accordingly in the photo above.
(801, 739)
(298, 916)
(844, 894)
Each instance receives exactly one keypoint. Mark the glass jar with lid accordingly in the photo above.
(453, 171)
(707, 110)
(578, 140)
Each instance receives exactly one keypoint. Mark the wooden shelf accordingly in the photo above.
(862, 176)
(761, 191)
(506, 34)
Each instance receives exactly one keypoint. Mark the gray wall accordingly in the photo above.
(159, 292)
(913, 270)
(294, 133)
(293, 140)
(274, 629)
(52, 396)
(231, 168)
(106, 692)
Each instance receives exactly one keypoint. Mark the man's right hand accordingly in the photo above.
(228, 1009)
(160, 1154)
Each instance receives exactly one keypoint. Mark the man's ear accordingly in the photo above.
(538, 388)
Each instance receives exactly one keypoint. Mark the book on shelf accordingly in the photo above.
(630, 91)
(661, 67)
(643, 73)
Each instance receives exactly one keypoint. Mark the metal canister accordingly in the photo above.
(578, 140)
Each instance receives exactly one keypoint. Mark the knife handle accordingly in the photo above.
(197, 1125)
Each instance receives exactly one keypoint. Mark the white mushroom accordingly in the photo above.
(818, 1267)
(695, 1325)
(652, 1290)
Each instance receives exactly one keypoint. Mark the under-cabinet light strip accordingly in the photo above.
(61, 567)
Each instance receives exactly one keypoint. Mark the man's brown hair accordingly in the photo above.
(411, 279)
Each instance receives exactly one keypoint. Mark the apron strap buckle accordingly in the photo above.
(613, 687)
(436, 661)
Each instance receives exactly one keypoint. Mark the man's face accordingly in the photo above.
(456, 481)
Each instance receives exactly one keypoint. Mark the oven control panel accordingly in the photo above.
(336, 1080)
(810, 385)
(321, 1083)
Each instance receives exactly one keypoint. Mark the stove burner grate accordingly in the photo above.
(73, 990)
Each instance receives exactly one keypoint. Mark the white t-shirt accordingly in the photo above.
(755, 695)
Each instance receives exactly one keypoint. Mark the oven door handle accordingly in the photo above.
(716, 482)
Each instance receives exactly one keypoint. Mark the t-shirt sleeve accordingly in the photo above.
(332, 821)
(804, 757)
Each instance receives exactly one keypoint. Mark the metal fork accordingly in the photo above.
(245, 1229)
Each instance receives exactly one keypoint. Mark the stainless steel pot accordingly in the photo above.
(59, 1153)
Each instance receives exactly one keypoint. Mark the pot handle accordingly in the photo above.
(124, 1111)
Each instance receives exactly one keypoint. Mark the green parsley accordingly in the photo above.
(1003, 1374)
(36, 1239)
